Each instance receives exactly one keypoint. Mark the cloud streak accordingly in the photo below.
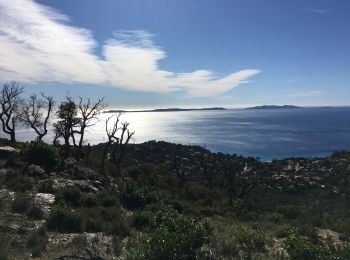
(38, 44)
(316, 11)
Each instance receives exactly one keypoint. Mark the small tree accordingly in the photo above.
(239, 178)
(88, 113)
(120, 144)
(207, 166)
(111, 132)
(36, 112)
(10, 109)
(120, 141)
(63, 128)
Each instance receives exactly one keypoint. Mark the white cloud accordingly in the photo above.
(316, 11)
(311, 93)
(37, 44)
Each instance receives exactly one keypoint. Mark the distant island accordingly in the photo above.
(164, 110)
(274, 107)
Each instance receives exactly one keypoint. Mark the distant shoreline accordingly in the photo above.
(165, 110)
(274, 107)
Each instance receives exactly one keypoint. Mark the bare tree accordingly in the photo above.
(120, 144)
(10, 109)
(36, 112)
(88, 113)
(208, 165)
(239, 178)
(178, 167)
(111, 132)
(118, 137)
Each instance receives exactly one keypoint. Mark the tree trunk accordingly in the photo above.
(13, 137)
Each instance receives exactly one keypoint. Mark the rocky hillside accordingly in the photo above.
(171, 202)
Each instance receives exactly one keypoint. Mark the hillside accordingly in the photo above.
(171, 197)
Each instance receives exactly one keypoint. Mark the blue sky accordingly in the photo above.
(184, 53)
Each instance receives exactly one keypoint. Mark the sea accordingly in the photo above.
(264, 133)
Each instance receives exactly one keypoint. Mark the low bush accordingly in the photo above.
(46, 186)
(88, 200)
(35, 212)
(21, 203)
(249, 241)
(64, 221)
(303, 249)
(174, 236)
(4, 248)
(41, 153)
(92, 224)
(16, 181)
(108, 199)
(69, 195)
(288, 211)
(133, 197)
(224, 247)
(142, 219)
(134, 172)
(195, 191)
(36, 242)
(282, 232)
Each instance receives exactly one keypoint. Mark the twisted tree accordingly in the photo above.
(118, 136)
(88, 113)
(238, 177)
(10, 108)
(35, 113)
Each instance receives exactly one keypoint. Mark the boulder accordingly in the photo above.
(44, 201)
(34, 170)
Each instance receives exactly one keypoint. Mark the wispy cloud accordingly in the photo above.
(316, 11)
(311, 93)
(38, 44)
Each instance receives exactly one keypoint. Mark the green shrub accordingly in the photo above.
(142, 219)
(4, 248)
(302, 249)
(64, 221)
(195, 192)
(249, 241)
(117, 246)
(34, 212)
(133, 197)
(92, 224)
(117, 226)
(282, 232)
(288, 211)
(114, 221)
(239, 207)
(41, 153)
(108, 199)
(88, 200)
(46, 186)
(175, 236)
(36, 242)
(134, 172)
(21, 203)
(14, 180)
(224, 247)
(342, 227)
(70, 195)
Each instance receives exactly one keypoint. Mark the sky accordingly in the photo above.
(183, 53)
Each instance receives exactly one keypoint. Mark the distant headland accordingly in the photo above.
(274, 107)
(164, 110)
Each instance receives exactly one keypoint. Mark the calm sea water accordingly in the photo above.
(260, 133)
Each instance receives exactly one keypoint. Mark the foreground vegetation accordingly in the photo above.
(171, 201)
